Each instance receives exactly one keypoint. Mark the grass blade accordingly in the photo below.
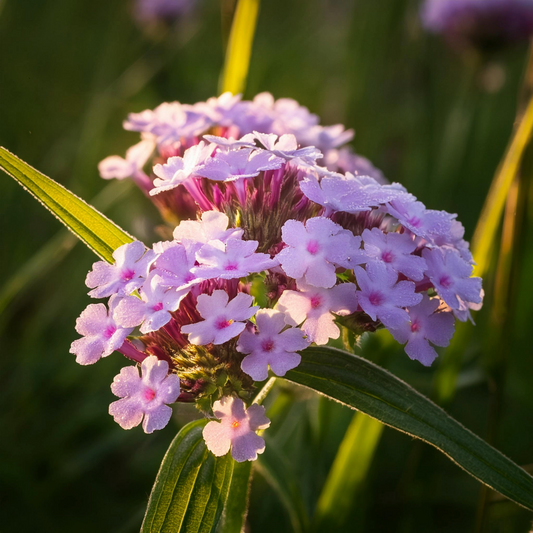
(239, 47)
(348, 472)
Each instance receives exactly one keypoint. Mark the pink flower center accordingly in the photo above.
(148, 394)
(316, 301)
(127, 274)
(375, 298)
(267, 345)
(313, 247)
(415, 326)
(414, 221)
(445, 281)
(387, 257)
(158, 306)
(222, 323)
(231, 266)
(109, 331)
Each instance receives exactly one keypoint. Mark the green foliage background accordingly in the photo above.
(431, 118)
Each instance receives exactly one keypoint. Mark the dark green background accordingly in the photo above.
(432, 118)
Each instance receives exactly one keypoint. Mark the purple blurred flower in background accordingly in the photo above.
(486, 24)
(169, 10)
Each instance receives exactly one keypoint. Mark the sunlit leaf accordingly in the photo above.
(366, 387)
(485, 234)
(239, 47)
(98, 232)
(236, 508)
(191, 486)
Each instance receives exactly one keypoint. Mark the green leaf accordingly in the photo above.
(190, 488)
(236, 508)
(94, 229)
(348, 473)
(366, 387)
(489, 220)
(239, 48)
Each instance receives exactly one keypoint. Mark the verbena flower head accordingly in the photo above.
(252, 205)
(482, 23)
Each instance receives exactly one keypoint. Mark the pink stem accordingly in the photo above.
(128, 350)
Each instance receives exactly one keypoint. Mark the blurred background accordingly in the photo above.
(435, 118)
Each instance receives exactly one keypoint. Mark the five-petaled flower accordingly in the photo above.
(152, 310)
(272, 345)
(316, 249)
(127, 274)
(382, 296)
(144, 396)
(223, 319)
(101, 334)
(314, 307)
(236, 429)
(425, 326)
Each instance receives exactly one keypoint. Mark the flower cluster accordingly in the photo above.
(327, 249)
(482, 23)
(172, 128)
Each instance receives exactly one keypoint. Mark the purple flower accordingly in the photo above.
(230, 260)
(212, 227)
(236, 164)
(153, 310)
(291, 117)
(223, 320)
(136, 157)
(286, 147)
(174, 122)
(486, 23)
(101, 334)
(179, 170)
(314, 250)
(127, 274)
(414, 216)
(425, 326)
(382, 296)
(394, 249)
(351, 194)
(173, 267)
(345, 161)
(144, 396)
(270, 346)
(450, 275)
(326, 137)
(219, 110)
(236, 429)
(314, 305)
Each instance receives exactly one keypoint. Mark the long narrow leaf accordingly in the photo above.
(348, 472)
(236, 508)
(239, 47)
(366, 387)
(191, 486)
(489, 220)
(98, 232)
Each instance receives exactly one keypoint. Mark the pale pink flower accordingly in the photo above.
(236, 429)
(144, 397)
